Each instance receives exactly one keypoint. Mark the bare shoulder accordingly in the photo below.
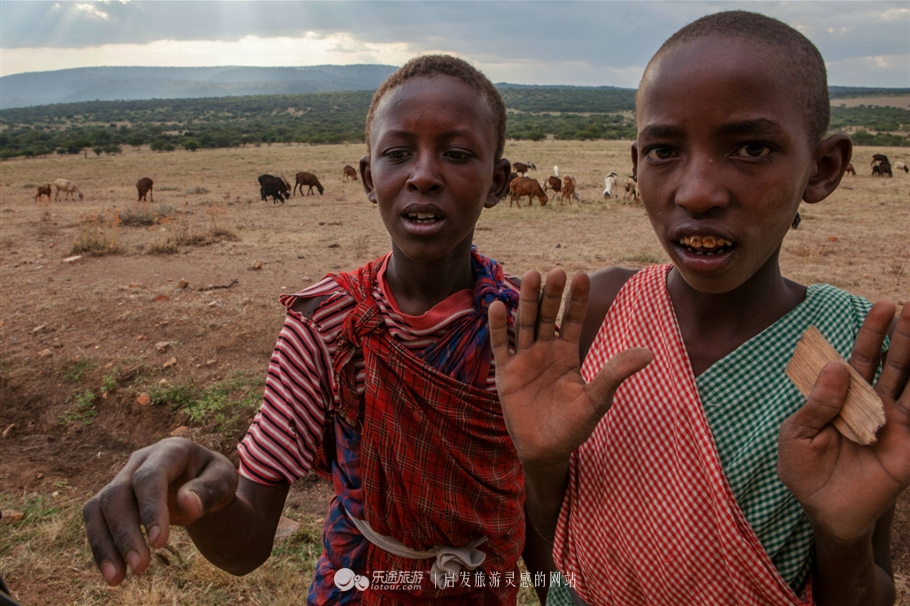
(605, 284)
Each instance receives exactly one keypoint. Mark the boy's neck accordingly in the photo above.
(419, 286)
(714, 325)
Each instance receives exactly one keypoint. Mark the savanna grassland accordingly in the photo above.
(110, 352)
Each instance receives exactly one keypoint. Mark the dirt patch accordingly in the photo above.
(95, 324)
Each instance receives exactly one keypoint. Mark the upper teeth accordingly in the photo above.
(422, 215)
(703, 241)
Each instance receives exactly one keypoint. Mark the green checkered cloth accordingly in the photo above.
(746, 397)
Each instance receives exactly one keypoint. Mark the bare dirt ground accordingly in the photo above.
(95, 325)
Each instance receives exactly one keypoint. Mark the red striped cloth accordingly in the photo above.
(287, 430)
(437, 464)
(649, 518)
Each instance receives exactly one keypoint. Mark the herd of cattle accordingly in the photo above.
(520, 184)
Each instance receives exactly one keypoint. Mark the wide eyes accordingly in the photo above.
(659, 153)
(752, 150)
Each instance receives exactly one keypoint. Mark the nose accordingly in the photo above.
(701, 187)
(425, 177)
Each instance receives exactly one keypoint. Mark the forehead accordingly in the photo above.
(715, 78)
(434, 101)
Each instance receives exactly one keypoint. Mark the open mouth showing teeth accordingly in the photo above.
(705, 245)
(423, 217)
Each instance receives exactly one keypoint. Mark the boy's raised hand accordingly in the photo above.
(174, 481)
(549, 409)
(845, 487)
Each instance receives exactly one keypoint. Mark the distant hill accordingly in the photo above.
(133, 83)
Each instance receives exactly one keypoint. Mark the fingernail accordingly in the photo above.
(108, 571)
(132, 558)
(154, 532)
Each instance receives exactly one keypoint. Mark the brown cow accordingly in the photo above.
(349, 173)
(43, 190)
(568, 189)
(524, 186)
(850, 170)
(144, 185)
(310, 180)
(554, 183)
(521, 168)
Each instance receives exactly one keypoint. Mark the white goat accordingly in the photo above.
(68, 186)
(609, 182)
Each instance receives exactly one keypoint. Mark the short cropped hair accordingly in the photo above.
(445, 65)
(799, 59)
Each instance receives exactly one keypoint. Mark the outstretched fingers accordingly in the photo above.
(573, 315)
(892, 384)
(528, 303)
(867, 350)
(549, 305)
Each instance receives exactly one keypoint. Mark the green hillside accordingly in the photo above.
(574, 113)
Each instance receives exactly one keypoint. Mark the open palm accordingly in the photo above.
(845, 487)
(549, 409)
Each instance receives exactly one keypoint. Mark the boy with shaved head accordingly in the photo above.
(679, 465)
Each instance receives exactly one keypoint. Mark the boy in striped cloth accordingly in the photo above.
(382, 380)
(678, 465)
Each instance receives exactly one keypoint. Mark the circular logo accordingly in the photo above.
(345, 579)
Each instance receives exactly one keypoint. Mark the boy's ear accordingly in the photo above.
(500, 186)
(366, 177)
(831, 159)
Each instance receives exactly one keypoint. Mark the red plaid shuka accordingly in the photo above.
(437, 464)
(648, 517)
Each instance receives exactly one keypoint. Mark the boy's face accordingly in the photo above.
(431, 167)
(723, 159)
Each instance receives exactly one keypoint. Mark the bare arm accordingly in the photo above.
(178, 482)
(847, 490)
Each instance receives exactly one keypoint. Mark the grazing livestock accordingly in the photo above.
(521, 168)
(349, 173)
(43, 190)
(609, 182)
(631, 191)
(67, 186)
(796, 221)
(267, 190)
(881, 166)
(881, 169)
(524, 186)
(901, 166)
(310, 180)
(144, 186)
(568, 189)
(553, 183)
(555, 171)
(850, 170)
(275, 186)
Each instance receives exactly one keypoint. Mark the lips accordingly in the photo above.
(423, 219)
(705, 244)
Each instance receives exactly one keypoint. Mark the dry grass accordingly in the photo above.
(98, 234)
(857, 240)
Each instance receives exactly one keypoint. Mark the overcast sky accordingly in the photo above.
(551, 42)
